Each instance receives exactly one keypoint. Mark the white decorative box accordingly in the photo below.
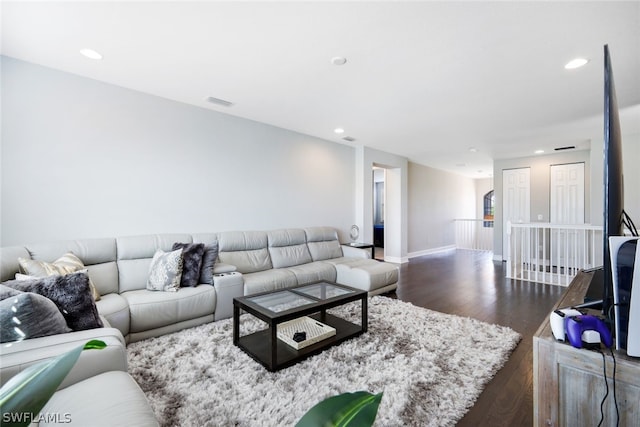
(315, 331)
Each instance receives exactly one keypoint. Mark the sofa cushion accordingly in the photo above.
(109, 399)
(323, 243)
(105, 277)
(268, 280)
(67, 263)
(191, 262)
(246, 250)
(288, 247)
(165, 271)
(70, 293)
(28, 315)
(313, 272)
(150, 310)
(9, 264)
(145, 246)
(115, 308)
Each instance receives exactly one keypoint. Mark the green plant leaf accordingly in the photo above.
(94, 345)
(347, 409)
(28, 391)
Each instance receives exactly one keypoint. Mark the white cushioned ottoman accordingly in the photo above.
(369, 275)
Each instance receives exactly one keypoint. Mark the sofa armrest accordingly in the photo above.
(228, 286)
(351, 252)
(19, 355)
(220, 267)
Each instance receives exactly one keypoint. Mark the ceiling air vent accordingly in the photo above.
(218, 101)
(568, 147)
(348, 139)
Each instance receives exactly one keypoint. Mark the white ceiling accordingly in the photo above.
(425, 80)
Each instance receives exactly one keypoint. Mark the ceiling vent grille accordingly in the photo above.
(568, 147)
(348, 139)
(218, 101)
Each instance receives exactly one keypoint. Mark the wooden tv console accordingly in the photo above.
(568, 384)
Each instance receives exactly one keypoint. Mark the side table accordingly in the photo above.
(361, 245)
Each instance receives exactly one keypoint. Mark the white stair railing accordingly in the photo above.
(476, 234)
(552, 253)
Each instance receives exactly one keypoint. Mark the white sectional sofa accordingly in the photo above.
(260, 261)
(248, 262)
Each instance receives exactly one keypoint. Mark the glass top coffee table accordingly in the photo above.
(276, 307)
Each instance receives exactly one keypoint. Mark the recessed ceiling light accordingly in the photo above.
(90, 53)
(539, 151)
(338, 60)
(338, 130)
(576, 63)
(473, 149)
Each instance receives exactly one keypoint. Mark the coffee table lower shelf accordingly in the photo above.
(258, 344)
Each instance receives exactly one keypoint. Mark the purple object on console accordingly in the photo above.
(576, 325)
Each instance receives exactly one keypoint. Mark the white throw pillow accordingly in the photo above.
(165, 271)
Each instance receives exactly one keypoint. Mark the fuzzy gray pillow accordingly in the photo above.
(27, 315)
(70, 293)
(208, 262)
(191, 262)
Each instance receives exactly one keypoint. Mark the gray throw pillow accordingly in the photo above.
(70, 293)
(165, 271)
(6, 292)
(27, 315)
(208, 262)
(191, 262)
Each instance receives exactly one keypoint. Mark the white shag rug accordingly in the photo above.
(431, 367)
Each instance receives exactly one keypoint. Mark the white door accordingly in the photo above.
(567, 194)
(515, 200)
(567, 208)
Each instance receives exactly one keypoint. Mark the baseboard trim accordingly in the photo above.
(433, 251)
(396, 260)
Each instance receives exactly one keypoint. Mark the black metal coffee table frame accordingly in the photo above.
(264, 345)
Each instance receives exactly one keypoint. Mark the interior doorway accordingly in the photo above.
(378, 211)
(516, 193)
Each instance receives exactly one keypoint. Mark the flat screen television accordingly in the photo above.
(613, 179)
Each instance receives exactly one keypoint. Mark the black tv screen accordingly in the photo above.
(613, 181)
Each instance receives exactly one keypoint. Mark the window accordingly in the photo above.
(489, 208)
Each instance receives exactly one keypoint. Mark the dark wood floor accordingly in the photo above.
(471, 284)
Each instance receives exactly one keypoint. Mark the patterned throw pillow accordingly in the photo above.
(66, 264)
(191, 262)
(208, 262)
(165, 271)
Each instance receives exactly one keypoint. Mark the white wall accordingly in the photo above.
(631, 176)
(83, 159)
(436, 198)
